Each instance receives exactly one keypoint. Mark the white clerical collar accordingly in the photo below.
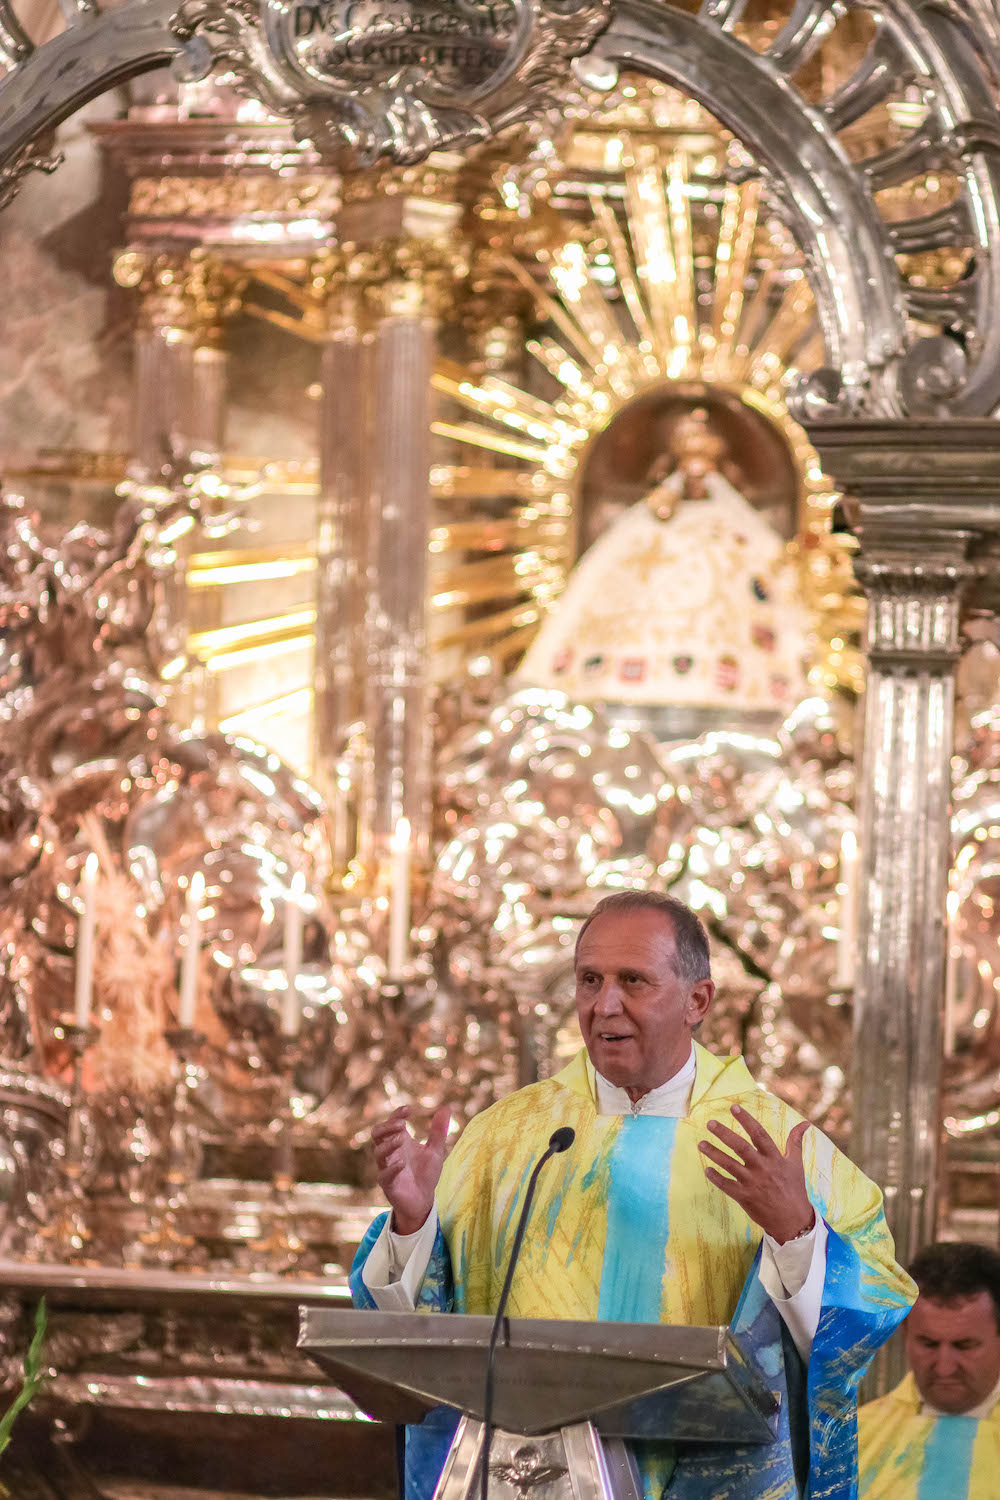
(672, 1098)
(984, 1409)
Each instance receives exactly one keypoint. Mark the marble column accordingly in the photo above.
(210, 394)
(924, 502)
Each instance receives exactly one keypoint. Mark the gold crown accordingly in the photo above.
(694, 445)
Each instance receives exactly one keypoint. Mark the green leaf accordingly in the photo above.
(34, 1376)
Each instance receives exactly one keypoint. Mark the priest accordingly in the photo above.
(689, 1196)
(938, 1433)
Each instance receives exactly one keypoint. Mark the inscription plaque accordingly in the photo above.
(392, 78)
(462, 47)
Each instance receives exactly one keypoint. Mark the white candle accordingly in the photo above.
(399, 900)
(190, 962)
(290, 1013)
(848, 887)
(85, 943)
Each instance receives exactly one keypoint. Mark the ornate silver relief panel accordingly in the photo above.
(380, 78)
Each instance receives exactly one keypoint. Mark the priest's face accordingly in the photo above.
(636, 1012)
(954, 1350)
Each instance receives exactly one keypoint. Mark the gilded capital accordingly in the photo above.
(189, 296)
(407, 277)
(407, 252)
(403, 276)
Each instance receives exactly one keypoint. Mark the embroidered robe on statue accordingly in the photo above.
(625, 1227)
(910, 1453)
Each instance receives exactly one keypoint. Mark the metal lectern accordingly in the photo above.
(577, 1391)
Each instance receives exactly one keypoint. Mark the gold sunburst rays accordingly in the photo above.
(480, 435)
(501, 635)
(738, 327)
(672, 280)
(736, 323)
(659, 218)
(459, 484)
(491, 578)
(657, 317)
(737, 229)
(536, 422)
(625, 273)
(780, 322)
(522, 530)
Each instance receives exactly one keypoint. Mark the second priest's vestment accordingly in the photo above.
(910, 1452)
(626, 1227)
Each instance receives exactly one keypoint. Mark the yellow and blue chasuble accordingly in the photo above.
(907, 1453)
(626, 1227)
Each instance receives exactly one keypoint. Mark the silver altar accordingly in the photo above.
(897, 380)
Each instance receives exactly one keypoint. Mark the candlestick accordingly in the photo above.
(66, 1233)
(290, 1010)
(85, 944)
(190, 963)
(848, 887)
(280, 1247)
(166, 1242)
(399, 899)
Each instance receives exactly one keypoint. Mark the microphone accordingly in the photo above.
(560, 1140)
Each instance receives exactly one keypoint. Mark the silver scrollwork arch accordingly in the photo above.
(894, 349)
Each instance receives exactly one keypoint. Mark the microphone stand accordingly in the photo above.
(560, 1140)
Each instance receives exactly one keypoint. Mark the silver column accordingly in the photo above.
(403, 255)
(179, 401)
(210, 396)
(342, 566)
(922, 504)
(396, 681)
(180, 386)
(912, 648)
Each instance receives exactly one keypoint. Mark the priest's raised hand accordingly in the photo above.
(769, 1184)
(408, 1170)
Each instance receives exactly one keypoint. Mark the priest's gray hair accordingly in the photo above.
(692, 960)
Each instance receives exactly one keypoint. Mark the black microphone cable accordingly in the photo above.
(559, 1140)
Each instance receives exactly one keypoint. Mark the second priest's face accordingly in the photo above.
(954, 1350)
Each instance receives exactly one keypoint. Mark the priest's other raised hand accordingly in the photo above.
(769, 1184)
(408, 1170)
